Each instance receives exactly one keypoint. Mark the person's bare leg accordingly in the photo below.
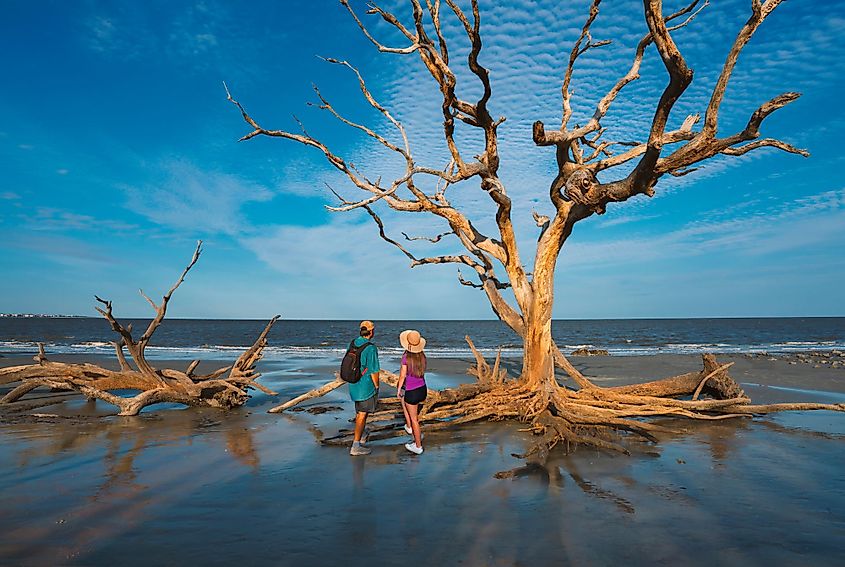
(415, 424)
(407, 417)
(360, 422)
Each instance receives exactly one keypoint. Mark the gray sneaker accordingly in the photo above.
(359, 451)
(365, 435)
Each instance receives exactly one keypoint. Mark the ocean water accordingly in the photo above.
(212, 339)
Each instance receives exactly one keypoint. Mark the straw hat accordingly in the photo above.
(412, 341)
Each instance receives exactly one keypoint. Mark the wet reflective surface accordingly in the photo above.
(198, 486)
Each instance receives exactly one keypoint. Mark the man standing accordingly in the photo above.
(365, 392)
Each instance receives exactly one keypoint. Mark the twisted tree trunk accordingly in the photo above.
(538, 358)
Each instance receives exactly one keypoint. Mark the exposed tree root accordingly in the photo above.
(558, 416)
(226, 387)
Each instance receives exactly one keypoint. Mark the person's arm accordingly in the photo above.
(402, 374)
(374, 365)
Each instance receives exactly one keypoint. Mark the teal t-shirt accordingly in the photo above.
(364, 388)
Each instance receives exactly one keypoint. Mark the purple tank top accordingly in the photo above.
(412, 382)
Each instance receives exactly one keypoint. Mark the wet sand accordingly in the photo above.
(176, 486)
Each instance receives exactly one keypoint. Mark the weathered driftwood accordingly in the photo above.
(315, 393)
(388, 378)
(560, 415)
(582, 152)
(226, 387)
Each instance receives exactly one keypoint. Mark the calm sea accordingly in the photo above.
(198, 338)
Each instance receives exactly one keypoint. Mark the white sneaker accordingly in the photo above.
(414, 448)
(410, 432)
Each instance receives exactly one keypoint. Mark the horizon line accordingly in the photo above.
(657, 318)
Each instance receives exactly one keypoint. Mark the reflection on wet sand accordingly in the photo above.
(720, 437)
(593, 490)
(103, 482)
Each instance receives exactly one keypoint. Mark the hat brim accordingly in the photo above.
(403, 340)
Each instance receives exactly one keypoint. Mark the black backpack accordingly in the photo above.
(350, 366)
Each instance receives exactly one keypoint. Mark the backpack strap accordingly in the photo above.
(360, 352)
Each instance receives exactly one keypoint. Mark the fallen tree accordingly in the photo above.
(556, 413)
(225, 387)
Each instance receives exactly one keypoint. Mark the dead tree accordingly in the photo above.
(556, 413)
(226, 387)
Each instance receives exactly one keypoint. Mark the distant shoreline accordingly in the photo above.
(412, 320)
(42, 316)
(316, 339)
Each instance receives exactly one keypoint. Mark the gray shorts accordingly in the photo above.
(368, 405)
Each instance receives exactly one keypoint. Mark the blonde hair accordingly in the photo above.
(416, 362)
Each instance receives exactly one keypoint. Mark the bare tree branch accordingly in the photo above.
(680, 77)
(565, 137)
(434, 239)
(162, 309)
(405, 50)
(468, 283)
(150, 301)
(759, 13)
(766, 142)
(577, 50)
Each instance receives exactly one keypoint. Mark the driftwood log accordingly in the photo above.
(225, 387)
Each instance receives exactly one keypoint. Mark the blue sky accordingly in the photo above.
(118, 151)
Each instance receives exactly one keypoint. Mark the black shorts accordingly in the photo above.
(416, 396)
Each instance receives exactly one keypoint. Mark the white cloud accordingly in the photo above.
(191, 199)
(61, 249)
(343, 269)
(103, 35)
(809, 223)
(48, 219)
(198, 34)
(625, 219)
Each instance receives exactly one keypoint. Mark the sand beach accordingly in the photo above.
(176, 485)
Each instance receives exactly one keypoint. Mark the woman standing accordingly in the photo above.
(411, 386)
